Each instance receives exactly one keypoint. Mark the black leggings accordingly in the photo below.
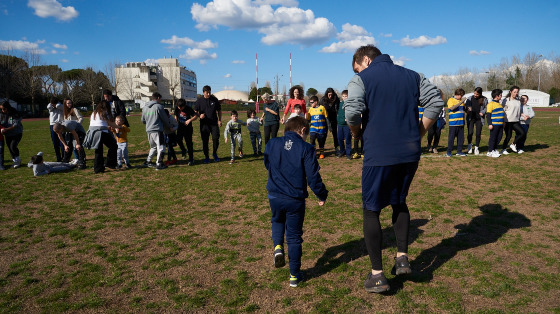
(373, 235)
(185, 132)
(270, 131)
(508, 128)
(12, 143)
(472, 122)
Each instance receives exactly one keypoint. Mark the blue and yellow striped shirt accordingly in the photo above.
(497, 112)
(420, 114)
(318, 120)
(456, 116)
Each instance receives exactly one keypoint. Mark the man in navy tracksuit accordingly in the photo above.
(291, 166)
(388, 96)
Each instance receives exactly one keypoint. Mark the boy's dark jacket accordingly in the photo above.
(291, 166)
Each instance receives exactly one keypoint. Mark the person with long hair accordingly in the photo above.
(296, 98)
(331, 102)
(12, 130)
(476, 109)
(99, 134)
(512, 109)
(71, 114)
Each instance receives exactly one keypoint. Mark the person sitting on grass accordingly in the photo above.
(41, 168)
(233, 131)
(291, 166)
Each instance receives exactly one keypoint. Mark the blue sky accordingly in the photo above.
(219, 39)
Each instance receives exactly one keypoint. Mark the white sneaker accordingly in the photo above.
(495, 154)
(469, 149)
(513, 148)
(489, 154)
(520, 151)
(476, 152)
(74, 162)
(505, 152)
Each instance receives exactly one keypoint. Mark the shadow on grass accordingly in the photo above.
(486, 228)
(342, 254)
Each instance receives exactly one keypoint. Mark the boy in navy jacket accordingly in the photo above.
(291, 166)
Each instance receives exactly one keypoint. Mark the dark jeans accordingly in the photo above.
(108, 140)
(321, 138)
(205, 131)
(470, 131)
(171, 142)
(434, 133)
(270, 131)
(70, 143)
(459, 133)
(333, 127)
(521, 143)
(185, 132)
(58, 147)
(256, 141)
(287, 218)
(495, 137)
(12, 143)
(508, 130)
(345, 140)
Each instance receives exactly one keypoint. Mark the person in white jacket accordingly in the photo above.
(527, 114)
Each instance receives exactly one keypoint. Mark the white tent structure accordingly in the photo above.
(536, 98)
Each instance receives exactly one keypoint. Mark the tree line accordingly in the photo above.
(28, 81)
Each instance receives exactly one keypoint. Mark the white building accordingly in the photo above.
(536, 98)
(138, 80)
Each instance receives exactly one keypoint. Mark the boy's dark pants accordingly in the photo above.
(256, 139)
(459, 133)
(495, 137)
(320, 137)
(185, 132)
(287, 217)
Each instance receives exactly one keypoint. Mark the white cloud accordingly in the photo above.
(228, 87)
(421, 41)
(22, 45)
(478, 53)
(286, 24)
(64, 60)
(385, 35)
(400, 61)
(351, 38)
(238, 61)
(227, 75)
(52, 8)
(198, 54)
(59, 46)
(54, 52)
(178, 42)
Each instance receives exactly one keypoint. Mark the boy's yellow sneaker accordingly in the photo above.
(355, 156)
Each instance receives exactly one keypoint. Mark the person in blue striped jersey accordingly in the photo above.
(495, 118)
(456, 119)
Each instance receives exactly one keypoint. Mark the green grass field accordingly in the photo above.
(484, 235)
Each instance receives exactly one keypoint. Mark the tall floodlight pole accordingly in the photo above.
(257, 68)
(290, 70)
(540, 67)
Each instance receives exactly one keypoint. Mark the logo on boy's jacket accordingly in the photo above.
(288, 145)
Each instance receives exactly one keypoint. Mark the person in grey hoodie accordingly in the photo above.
(156, 120)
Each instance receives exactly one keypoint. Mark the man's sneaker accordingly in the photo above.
(476, 151)
(161, 166)
(434, 151)
(338, 155)
(81, 165)
(505, 152)
(206, 160)
(377, 283)
(240, 154)
(216, 158)
(513, 147)
(489, 154)
(495, 154)
(402, 266)
(149, 164)
(279, 260)
(469, 149)
(295, 280)
(231, 161)
(349, 157)
(448, 154)
(461, 154)
(74, 162)
(190, 163)
(520, 151)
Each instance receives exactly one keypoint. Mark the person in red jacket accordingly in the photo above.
(296, 98)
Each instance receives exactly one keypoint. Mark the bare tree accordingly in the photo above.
(31, 80)
(12, 70)
(109, 70)
(174, 79)
(48, 77)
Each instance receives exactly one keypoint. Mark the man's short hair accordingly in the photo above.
(181, 102)
(57, 126)
(206, 88)
(525, 96)
(315, 98)
(370, 51)
(496, 93)
(156, 96)
(234, 113)
(295, 124)
(460, 91)
(107, 92)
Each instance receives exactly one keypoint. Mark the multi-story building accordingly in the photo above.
(136, 81)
